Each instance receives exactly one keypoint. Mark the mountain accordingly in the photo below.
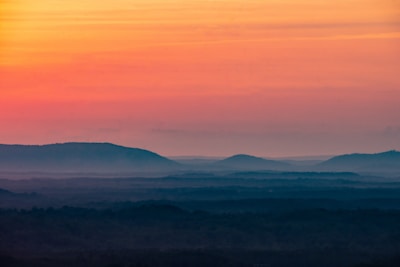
(248, 162)
(380, 162)
(81, 157)
(4, 192)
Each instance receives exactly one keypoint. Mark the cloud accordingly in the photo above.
(392, 131)
(269, 26)
(386, 35)
(194, 133)
(108, 130)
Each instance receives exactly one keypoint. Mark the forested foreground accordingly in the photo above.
(157, 234)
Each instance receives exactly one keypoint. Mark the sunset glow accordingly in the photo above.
(265, 77)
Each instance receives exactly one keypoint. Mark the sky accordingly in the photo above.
(205, 77)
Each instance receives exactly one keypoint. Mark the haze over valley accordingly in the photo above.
(100, 204)
(291, 109)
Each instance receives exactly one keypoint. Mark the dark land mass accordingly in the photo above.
(81, 157)
(166, 235)
(105, 159)
(85, 204)
(248, 162)
(202, 219)
(385, 162)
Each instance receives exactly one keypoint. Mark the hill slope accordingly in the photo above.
(248, 162)
(81, 157)
(385, 161)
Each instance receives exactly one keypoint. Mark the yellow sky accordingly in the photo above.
(37, 32)
(161, 71)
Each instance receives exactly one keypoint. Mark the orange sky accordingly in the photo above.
(266, 77)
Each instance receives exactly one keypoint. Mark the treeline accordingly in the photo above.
(199, 258)
(145, 234)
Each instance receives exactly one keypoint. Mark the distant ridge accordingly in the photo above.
(385, 161)
(81, 157)
(4, 192)
(248, 162)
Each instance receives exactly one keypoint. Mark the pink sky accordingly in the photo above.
(270, 78)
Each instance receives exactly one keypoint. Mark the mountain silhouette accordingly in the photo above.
(81, 157)
(4, 192)
(385, 161)
(248, 162)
